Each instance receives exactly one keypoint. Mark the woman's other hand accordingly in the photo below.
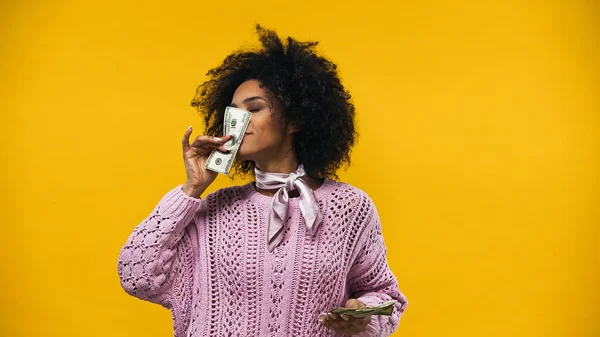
(346, 324)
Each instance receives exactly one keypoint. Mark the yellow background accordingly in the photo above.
(479, 145)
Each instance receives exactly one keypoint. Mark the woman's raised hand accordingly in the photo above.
(195, 156)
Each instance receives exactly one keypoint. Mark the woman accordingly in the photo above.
(272, 257)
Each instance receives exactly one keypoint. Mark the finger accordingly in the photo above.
(209, 146)
(329, 325)
(356, 324)
(223, 149)
(334, 325)
(225, 140)
(204, 148)
(338, 325)
(355, 329)
(332, 315)
(344, 325)
(363, 321)
(202, 140)
(359, 319)
(324, 319)
(206, 144)
(344, 317)
(186, 138)
(354, 303)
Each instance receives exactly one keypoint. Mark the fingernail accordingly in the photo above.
(344, 317)
(189, 127)
(218, 139)
(331, 315)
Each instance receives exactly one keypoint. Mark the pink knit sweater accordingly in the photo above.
(207, 261)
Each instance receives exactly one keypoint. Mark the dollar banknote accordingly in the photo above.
(235, 123)
(383, 309)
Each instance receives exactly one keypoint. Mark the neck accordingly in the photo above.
(280, 160)
(284, 166)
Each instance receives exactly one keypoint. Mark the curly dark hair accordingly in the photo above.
(309, 90)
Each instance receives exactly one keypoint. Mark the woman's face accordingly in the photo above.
(266, 138)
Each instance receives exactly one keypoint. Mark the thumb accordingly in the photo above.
(354, 303)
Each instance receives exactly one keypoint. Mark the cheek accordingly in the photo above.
(266, 131)
(274, 128)
(266, 127)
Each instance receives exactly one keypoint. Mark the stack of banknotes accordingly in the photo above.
(382, 309)
(235, 123)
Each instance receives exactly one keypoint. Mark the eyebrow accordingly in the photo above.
(248, 100)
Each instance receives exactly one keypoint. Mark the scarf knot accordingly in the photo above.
(284, 183)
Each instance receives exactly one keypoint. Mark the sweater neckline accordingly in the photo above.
(253, 194)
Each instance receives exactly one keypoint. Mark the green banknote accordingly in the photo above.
(235, 123)
(383, 309)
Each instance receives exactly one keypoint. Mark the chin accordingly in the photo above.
(243, 154)
(249, 151)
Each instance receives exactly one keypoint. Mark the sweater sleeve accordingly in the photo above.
(156, 263)
(370, 279)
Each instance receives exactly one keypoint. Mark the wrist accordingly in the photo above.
(191, 190)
